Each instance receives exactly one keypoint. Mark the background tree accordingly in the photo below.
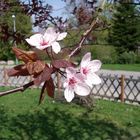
(80, 14)
(26, 10)
(7, 34)
(125, 33)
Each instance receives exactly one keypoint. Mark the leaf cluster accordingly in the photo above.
(40, 71)
(22, 21)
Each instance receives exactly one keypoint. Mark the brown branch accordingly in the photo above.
(22, 88)
(84, 36)
(88, 31)
(61, 72)
(79, 46)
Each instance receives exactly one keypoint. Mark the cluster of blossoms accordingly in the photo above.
(78, 80)
(48, 39)
(81, 80)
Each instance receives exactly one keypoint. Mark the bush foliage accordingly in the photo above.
(127, 58)
(105, 53)
(109, 55)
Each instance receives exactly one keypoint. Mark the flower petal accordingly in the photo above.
(35, 39)
(82, 89)
(50, 35)
(42, 47)
(50, 30)
(80, 77)
(61, 36)
(71, 70)
(69, 94)
(92, 79)
(85, 60)
(50, 38)
(65, 84)
(56, 47)
(95, 65)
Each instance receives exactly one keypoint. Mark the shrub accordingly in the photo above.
(138, 59)
(6, 51)
(107, 54)
(127, 58)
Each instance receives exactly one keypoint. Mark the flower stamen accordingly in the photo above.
(44, 43)
(85, 71)
(72, 81)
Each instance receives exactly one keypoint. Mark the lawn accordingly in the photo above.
(127, 67)
(22, 119)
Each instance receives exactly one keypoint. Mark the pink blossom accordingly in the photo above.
(88, 69)
(74, 84)
(49, 38)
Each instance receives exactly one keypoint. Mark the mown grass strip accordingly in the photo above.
(22, 118)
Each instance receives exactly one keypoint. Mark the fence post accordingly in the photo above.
(31, 79)
(122, 88)
(5, 76)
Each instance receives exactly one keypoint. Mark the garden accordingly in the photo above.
(22, 118)
(74, 74)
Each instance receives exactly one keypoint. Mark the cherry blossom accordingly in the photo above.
(74, 84)
(49, 38)
(88, 69)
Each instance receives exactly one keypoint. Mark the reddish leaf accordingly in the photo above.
(50, 88)
(35, 67)
(19, 70)
(44, 76)
(62, 64)
(42, 94)
(26, 56)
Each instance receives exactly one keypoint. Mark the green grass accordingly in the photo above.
(127, 67)
(22, 119)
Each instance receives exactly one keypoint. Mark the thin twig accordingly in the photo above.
(88, 31)
(62, 73)
(79, 46)
(48, 53)
(22, 88)
(84, 36)
(52, 53)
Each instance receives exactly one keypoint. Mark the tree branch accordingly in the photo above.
(84, 36)
(79, 46)
(22, 88)
(88, 31)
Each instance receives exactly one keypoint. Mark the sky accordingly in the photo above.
(58, 7)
